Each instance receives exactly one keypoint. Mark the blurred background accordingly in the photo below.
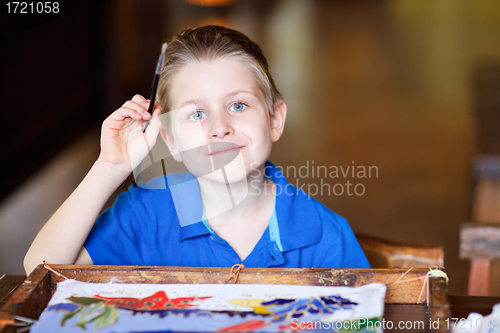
(407, 86)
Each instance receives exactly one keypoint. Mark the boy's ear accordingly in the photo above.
(278, 120)
(171, 144)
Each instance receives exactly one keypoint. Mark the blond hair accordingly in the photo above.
(210, 43)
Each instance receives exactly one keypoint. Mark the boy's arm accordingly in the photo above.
(122, 147)
(84, 258)
(62, 237)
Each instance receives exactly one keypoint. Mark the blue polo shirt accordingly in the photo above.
(143, 228)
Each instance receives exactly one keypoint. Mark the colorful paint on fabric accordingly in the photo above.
(85, 307)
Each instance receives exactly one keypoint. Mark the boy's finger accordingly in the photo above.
(134, 106)
(125, 112)
(157, 109)
(139, 99)
(147, 105)
(153, 128)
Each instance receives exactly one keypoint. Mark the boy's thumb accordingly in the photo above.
(153, 130)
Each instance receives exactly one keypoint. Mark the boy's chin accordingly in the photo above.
(227, 175)
(236, 170)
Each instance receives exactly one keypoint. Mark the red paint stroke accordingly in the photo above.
(157, 301)
(247, 326)
(294, 327)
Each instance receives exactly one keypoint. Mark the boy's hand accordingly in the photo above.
(123, 143)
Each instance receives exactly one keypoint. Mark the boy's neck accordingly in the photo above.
(232, 205)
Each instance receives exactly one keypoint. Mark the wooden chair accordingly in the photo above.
(480, 240)
(383, 253)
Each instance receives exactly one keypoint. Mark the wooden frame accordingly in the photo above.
(384, 253)
(403, 286)
(9, 284)
(479, 240)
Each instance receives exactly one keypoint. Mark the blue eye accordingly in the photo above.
(197, 115)
(238, 107)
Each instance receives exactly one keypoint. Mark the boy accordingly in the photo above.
(222, 114)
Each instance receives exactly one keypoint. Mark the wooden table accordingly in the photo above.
(461, 306)
(9, 284)
(402, 299)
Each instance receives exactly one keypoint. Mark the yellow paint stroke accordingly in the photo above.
(255, 304)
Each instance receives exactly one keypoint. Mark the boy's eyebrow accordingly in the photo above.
(198, 101)
(191, 101)
(239, 92)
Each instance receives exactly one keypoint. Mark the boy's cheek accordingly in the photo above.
(190, 144)
(189, 137)
(197, 162)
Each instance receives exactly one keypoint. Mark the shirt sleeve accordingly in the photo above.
(116, 237)
(354, 257)
(340, 247)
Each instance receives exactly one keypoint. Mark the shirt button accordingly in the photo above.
(212, 237)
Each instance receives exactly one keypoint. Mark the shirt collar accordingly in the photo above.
(186, 196)
(298, 220)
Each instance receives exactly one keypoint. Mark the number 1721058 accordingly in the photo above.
(27, 7)
(474, 323)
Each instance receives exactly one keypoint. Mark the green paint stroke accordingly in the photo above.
(92, 310)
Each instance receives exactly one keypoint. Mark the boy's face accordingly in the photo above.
(219, 118)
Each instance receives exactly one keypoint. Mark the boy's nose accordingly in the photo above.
(221, 127)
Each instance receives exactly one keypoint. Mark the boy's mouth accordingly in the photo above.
(225, 149)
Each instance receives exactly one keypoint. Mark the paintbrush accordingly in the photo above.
(155, 83)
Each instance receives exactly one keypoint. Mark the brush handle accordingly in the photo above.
(152, 99)
(153, 94)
